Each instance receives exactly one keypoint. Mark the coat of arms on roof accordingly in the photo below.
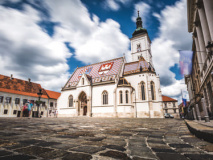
(105, 68)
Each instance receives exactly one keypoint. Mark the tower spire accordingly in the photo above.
(139, 21)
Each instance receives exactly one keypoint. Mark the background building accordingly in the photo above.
(200, 82)
(170, 106)
(15, 93)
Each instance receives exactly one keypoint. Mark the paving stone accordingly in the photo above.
(31, 141)
(46, 144)
(163, 150)
(180, 145)
(77, 156)
(117, 155)
(53, 154)
(119, 148)
(33, 150)
(17, 157)
(87, 149)
(170, 156)
(4, 153)
(199, 156)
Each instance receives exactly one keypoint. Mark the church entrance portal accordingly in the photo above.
(82, 109)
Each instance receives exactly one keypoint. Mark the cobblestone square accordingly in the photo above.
(99, 138)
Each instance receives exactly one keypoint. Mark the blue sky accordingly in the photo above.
(45, 40)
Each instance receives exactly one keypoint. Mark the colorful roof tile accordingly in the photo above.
(138, 66)
(98, 72)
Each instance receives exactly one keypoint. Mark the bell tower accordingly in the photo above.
(140, 43)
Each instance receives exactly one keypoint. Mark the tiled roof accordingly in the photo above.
(137, 67)
(22, 93)
(94, 71)
(18, 84)
(22, 87)
(168, 99)
(53, 94)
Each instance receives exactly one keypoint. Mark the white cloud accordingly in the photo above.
(92, 40)
(173, 36)
(28, 51)
(115, 4)
(144, 12)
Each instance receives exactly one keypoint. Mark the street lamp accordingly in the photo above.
(38, 104)
(210, 48)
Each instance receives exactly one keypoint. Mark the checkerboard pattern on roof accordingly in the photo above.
(135, 67)
(94, 72)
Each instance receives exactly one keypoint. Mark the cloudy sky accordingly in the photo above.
(45, 40)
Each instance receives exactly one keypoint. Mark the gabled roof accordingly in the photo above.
(53, 94)
(123, 82)
(168, 99)
(138, 66)
(18, 86)
(98, 72)
(22, 87)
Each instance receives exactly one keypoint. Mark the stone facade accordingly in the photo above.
(170, 106)
(200, 82)
(115, 88)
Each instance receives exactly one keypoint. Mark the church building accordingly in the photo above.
(115, 88)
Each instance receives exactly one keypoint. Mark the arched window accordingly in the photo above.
(121, 97)
(70, 101)
(127, 96)
(153, 90)
(143, 91)
(105, 97)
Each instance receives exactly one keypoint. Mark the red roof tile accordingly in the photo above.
(21, 93)
(53, 94)
(168, 99)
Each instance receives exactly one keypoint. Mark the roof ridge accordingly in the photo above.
(20, 79)
(102, 62)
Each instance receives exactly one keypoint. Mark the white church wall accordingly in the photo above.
(97, 94)
(98, 108)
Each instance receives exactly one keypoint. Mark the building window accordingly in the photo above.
(143, 91)
(15, 111)
(70, 101)
(43, 104)
(138, 47)
(8, 99)
(42, 113)
(127, 96)
(153, 90)
(174, 104)
(17, 100)
(51, 104)
(24, 101)
(174, 110)
(165, 105)
(121, 97)
(1, 99)
(105, 97)
(166, 111)
(5, 111)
